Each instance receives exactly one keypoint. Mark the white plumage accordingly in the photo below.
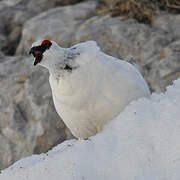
(90, 88)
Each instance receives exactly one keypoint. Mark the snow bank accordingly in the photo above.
(142, 143)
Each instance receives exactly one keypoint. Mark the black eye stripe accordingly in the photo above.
(47, 45)
(42, 48)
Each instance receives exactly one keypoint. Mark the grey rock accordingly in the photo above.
(147, 46)
(28, 121)
(137, 43)
(58, 24)
(1, 56)
(14, 13)
(168, 23)
(11, 41)
(110, 3)
(9, 2)
(12, 17)
(66, 2)
(2, 40)
(164, 67)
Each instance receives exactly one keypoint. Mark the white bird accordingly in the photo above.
(89, 88)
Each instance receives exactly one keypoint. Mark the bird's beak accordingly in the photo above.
(37, 55)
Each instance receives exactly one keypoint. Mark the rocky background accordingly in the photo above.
(139, 33)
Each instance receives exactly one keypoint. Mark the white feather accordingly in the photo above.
(96, 91)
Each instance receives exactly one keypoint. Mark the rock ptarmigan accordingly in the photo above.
(89, 88)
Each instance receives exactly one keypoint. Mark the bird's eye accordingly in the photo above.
(47, 45)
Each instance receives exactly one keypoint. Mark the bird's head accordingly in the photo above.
(55, 58)
(38, 50)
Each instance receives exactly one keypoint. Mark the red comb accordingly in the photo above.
(45, 41)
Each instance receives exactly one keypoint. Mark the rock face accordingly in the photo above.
(152, 47)
(110, 3)
(28, 121)
(8, 3)
(66, 2)
(59, 24)
(14, 13)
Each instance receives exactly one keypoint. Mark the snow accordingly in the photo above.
(142, 143)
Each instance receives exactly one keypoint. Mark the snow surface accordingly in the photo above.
(142, 143)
